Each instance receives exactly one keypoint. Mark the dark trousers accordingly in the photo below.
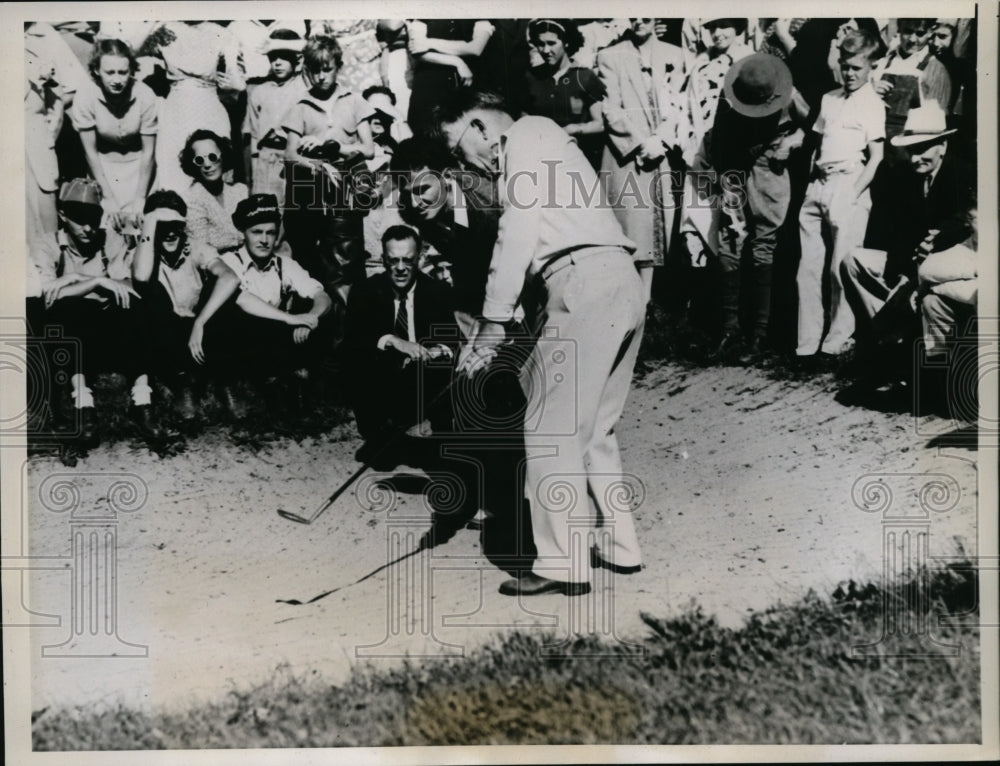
(168, 332)
(245, 346)
(489, 423)
(109, 338)
(387, 396)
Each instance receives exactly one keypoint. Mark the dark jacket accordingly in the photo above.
(371, 314)
(901, 216)
(469, 250)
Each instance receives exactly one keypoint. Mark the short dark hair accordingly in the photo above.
(565, 29)
(465, 100)
(203, 134)
(111, 47)
(419, 152)
(371, 90)
(165, 198)
(918, 25)
(319, 50)
(398, 233)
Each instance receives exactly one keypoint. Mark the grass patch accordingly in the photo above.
(787, 676)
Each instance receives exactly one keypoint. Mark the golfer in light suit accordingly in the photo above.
(564, 245)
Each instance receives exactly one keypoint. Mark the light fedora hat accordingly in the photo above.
(924, 124)
(758, 85)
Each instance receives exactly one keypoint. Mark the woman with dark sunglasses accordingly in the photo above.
(211, 198)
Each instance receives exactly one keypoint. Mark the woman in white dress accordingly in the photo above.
(116, 117)
(200, 58)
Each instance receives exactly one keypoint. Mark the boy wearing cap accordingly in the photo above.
(171, 274)
(272, 287)
(850, 132)
(266, 106)
(86, 290)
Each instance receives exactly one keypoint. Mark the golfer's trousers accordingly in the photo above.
(576, 381)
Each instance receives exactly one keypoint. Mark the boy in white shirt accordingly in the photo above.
(849, 128)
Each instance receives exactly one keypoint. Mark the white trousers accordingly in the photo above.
(576, 381)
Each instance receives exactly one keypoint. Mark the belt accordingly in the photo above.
(561, 262)
(822, 172)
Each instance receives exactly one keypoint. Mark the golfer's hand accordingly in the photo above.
(195, 343)
(120, 291)
(300, 334)
(439, 351)
(477, 354)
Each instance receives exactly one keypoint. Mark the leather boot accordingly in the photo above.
(187, 409)
(230, 402)
(762, 301)
(729, 313)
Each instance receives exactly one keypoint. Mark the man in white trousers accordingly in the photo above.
(563, 245)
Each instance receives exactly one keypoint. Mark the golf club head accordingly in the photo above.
(293, 517)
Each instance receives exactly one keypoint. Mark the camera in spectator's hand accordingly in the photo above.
(328, 151)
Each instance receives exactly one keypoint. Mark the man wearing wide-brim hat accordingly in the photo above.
(757, 125)
(923, 208)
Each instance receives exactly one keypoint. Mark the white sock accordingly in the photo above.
(82, 395)
(141, 392)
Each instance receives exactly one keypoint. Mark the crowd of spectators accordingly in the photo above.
(203, 197)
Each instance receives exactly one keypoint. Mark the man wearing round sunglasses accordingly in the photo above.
(87, 292)
(184, 284)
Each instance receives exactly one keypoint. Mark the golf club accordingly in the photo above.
(299, 519)
(329, 501)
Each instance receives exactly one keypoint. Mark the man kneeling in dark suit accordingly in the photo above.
(400, 336)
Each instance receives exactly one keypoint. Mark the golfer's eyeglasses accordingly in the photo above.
(458, 142)
(210, 158)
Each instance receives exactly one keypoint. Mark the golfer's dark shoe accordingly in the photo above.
(530, 584)
(598, 563)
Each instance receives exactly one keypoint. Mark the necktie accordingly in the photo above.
(401, 328)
